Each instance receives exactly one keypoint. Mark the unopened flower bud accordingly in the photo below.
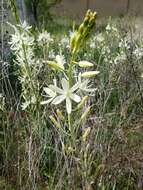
(85, 114)
(55, 122)
(90, 74)
(81, 104)
(55, 65)
(60, 115)
(86, 134)
(85, 64)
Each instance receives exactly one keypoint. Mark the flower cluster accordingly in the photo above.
(44, 38)
(22, 42)
(56, 95)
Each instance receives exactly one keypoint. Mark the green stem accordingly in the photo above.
(69, 122)
(70, 70)
(29, 71)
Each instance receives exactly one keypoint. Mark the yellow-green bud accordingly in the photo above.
(60, 115)
(55, 65)
(55, 122)
(86, 22)
(86, 134)
(85, 64)
(90, 74)
(81, 104)
(72, 41)
(85, 114)
(81, 28)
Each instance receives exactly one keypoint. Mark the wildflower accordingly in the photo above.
(65, 42)
(29, 56)
(44, 38)
(138, 53)
(19, 39)
(24, 26)
(50, 94)
(60, 60)
(110, 28)
(51, 54)
(66, 93)
(85, 85)
(27, 103)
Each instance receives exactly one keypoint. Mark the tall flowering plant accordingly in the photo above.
(75, 81)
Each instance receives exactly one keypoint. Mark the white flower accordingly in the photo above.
(51, 54)
(50, 94)
(19, 39)
(110, 27)
(29, 56)
(120, 58)
(138, 53)
(66, 93)
(24, 26)
(60, 60)
(85, 85)
(44, 38)
(65, 42)
(27, 103)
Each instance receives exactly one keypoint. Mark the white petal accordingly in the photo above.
(59, 59)
(56, 89)
(58, 99)
(46, 102)
(48, 91)
(68, 105)
(84, 84)
(90, 89)
(25, 105)
(75, 87)
(65, 84)
(75, 97)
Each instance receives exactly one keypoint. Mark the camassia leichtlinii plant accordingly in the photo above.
(67, 96)
(71, 88)
(75, 80)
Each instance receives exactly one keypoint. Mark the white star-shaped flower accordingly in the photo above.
(66, 93)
